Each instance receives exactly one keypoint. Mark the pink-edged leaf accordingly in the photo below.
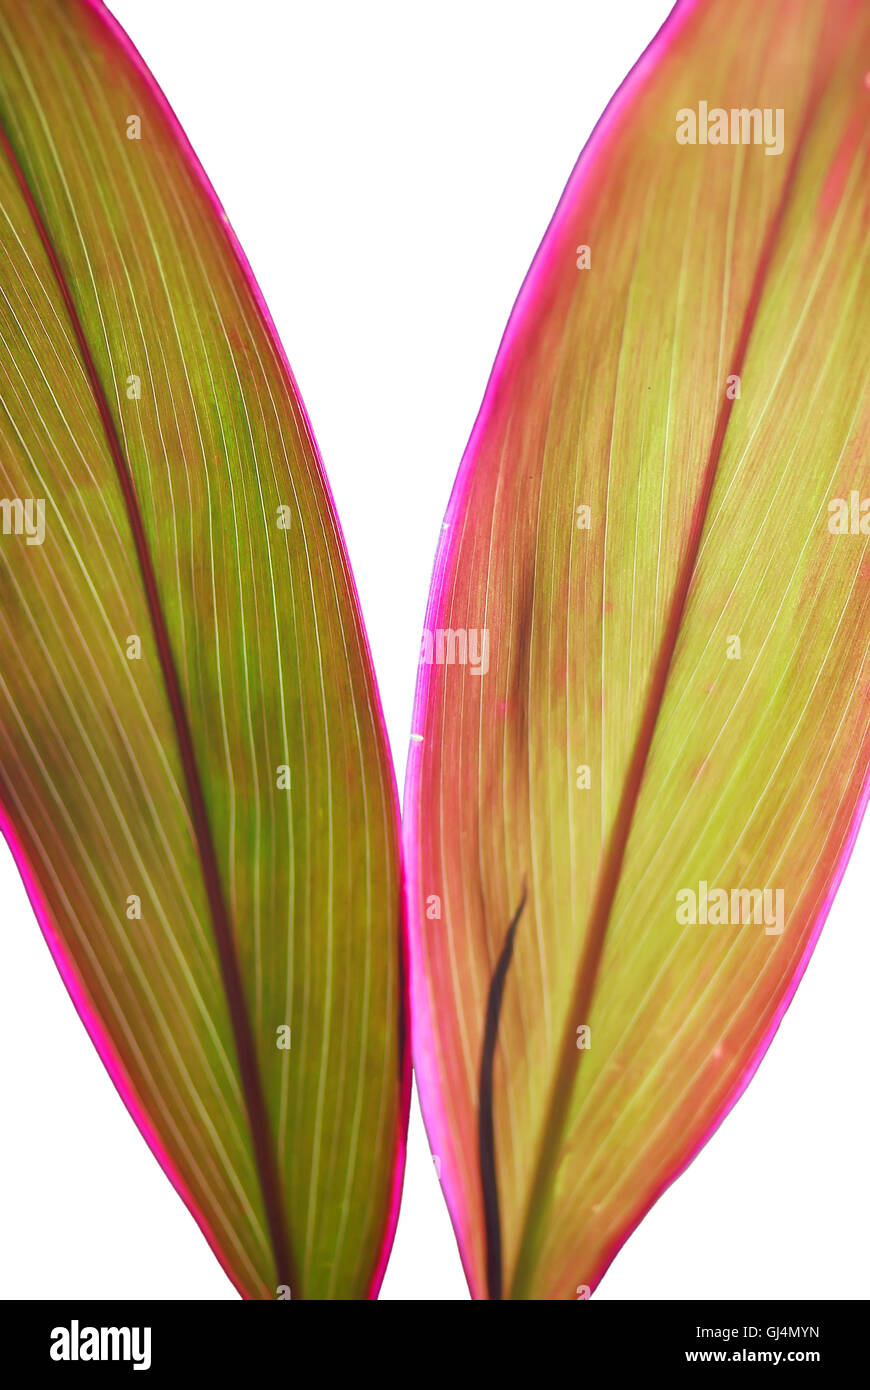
(640, 747)
(194, 773)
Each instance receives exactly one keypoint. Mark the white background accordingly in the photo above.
(390, 168)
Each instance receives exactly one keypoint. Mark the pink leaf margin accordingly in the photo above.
(423, 1043)
(79, 995)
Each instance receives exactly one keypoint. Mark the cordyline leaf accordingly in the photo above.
(625, 708)
(193, 766)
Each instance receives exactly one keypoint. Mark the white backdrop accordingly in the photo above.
(390, 169)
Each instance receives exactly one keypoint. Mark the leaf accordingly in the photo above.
(587, 741)
(193, 765)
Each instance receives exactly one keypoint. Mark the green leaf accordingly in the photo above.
(194, 772)
(644, 690)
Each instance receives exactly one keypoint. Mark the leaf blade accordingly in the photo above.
(273, 665)
(609, 391)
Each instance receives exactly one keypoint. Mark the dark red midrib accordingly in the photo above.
(486, 1111)
(252, 1088)
(611, 872)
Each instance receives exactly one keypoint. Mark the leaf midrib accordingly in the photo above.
(562, 1089)
(265, 1155)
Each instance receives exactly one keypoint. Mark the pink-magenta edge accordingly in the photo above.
(423, 1046)
(77, 992)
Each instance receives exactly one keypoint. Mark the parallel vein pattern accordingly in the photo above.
(624, 512)
(233, 777)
